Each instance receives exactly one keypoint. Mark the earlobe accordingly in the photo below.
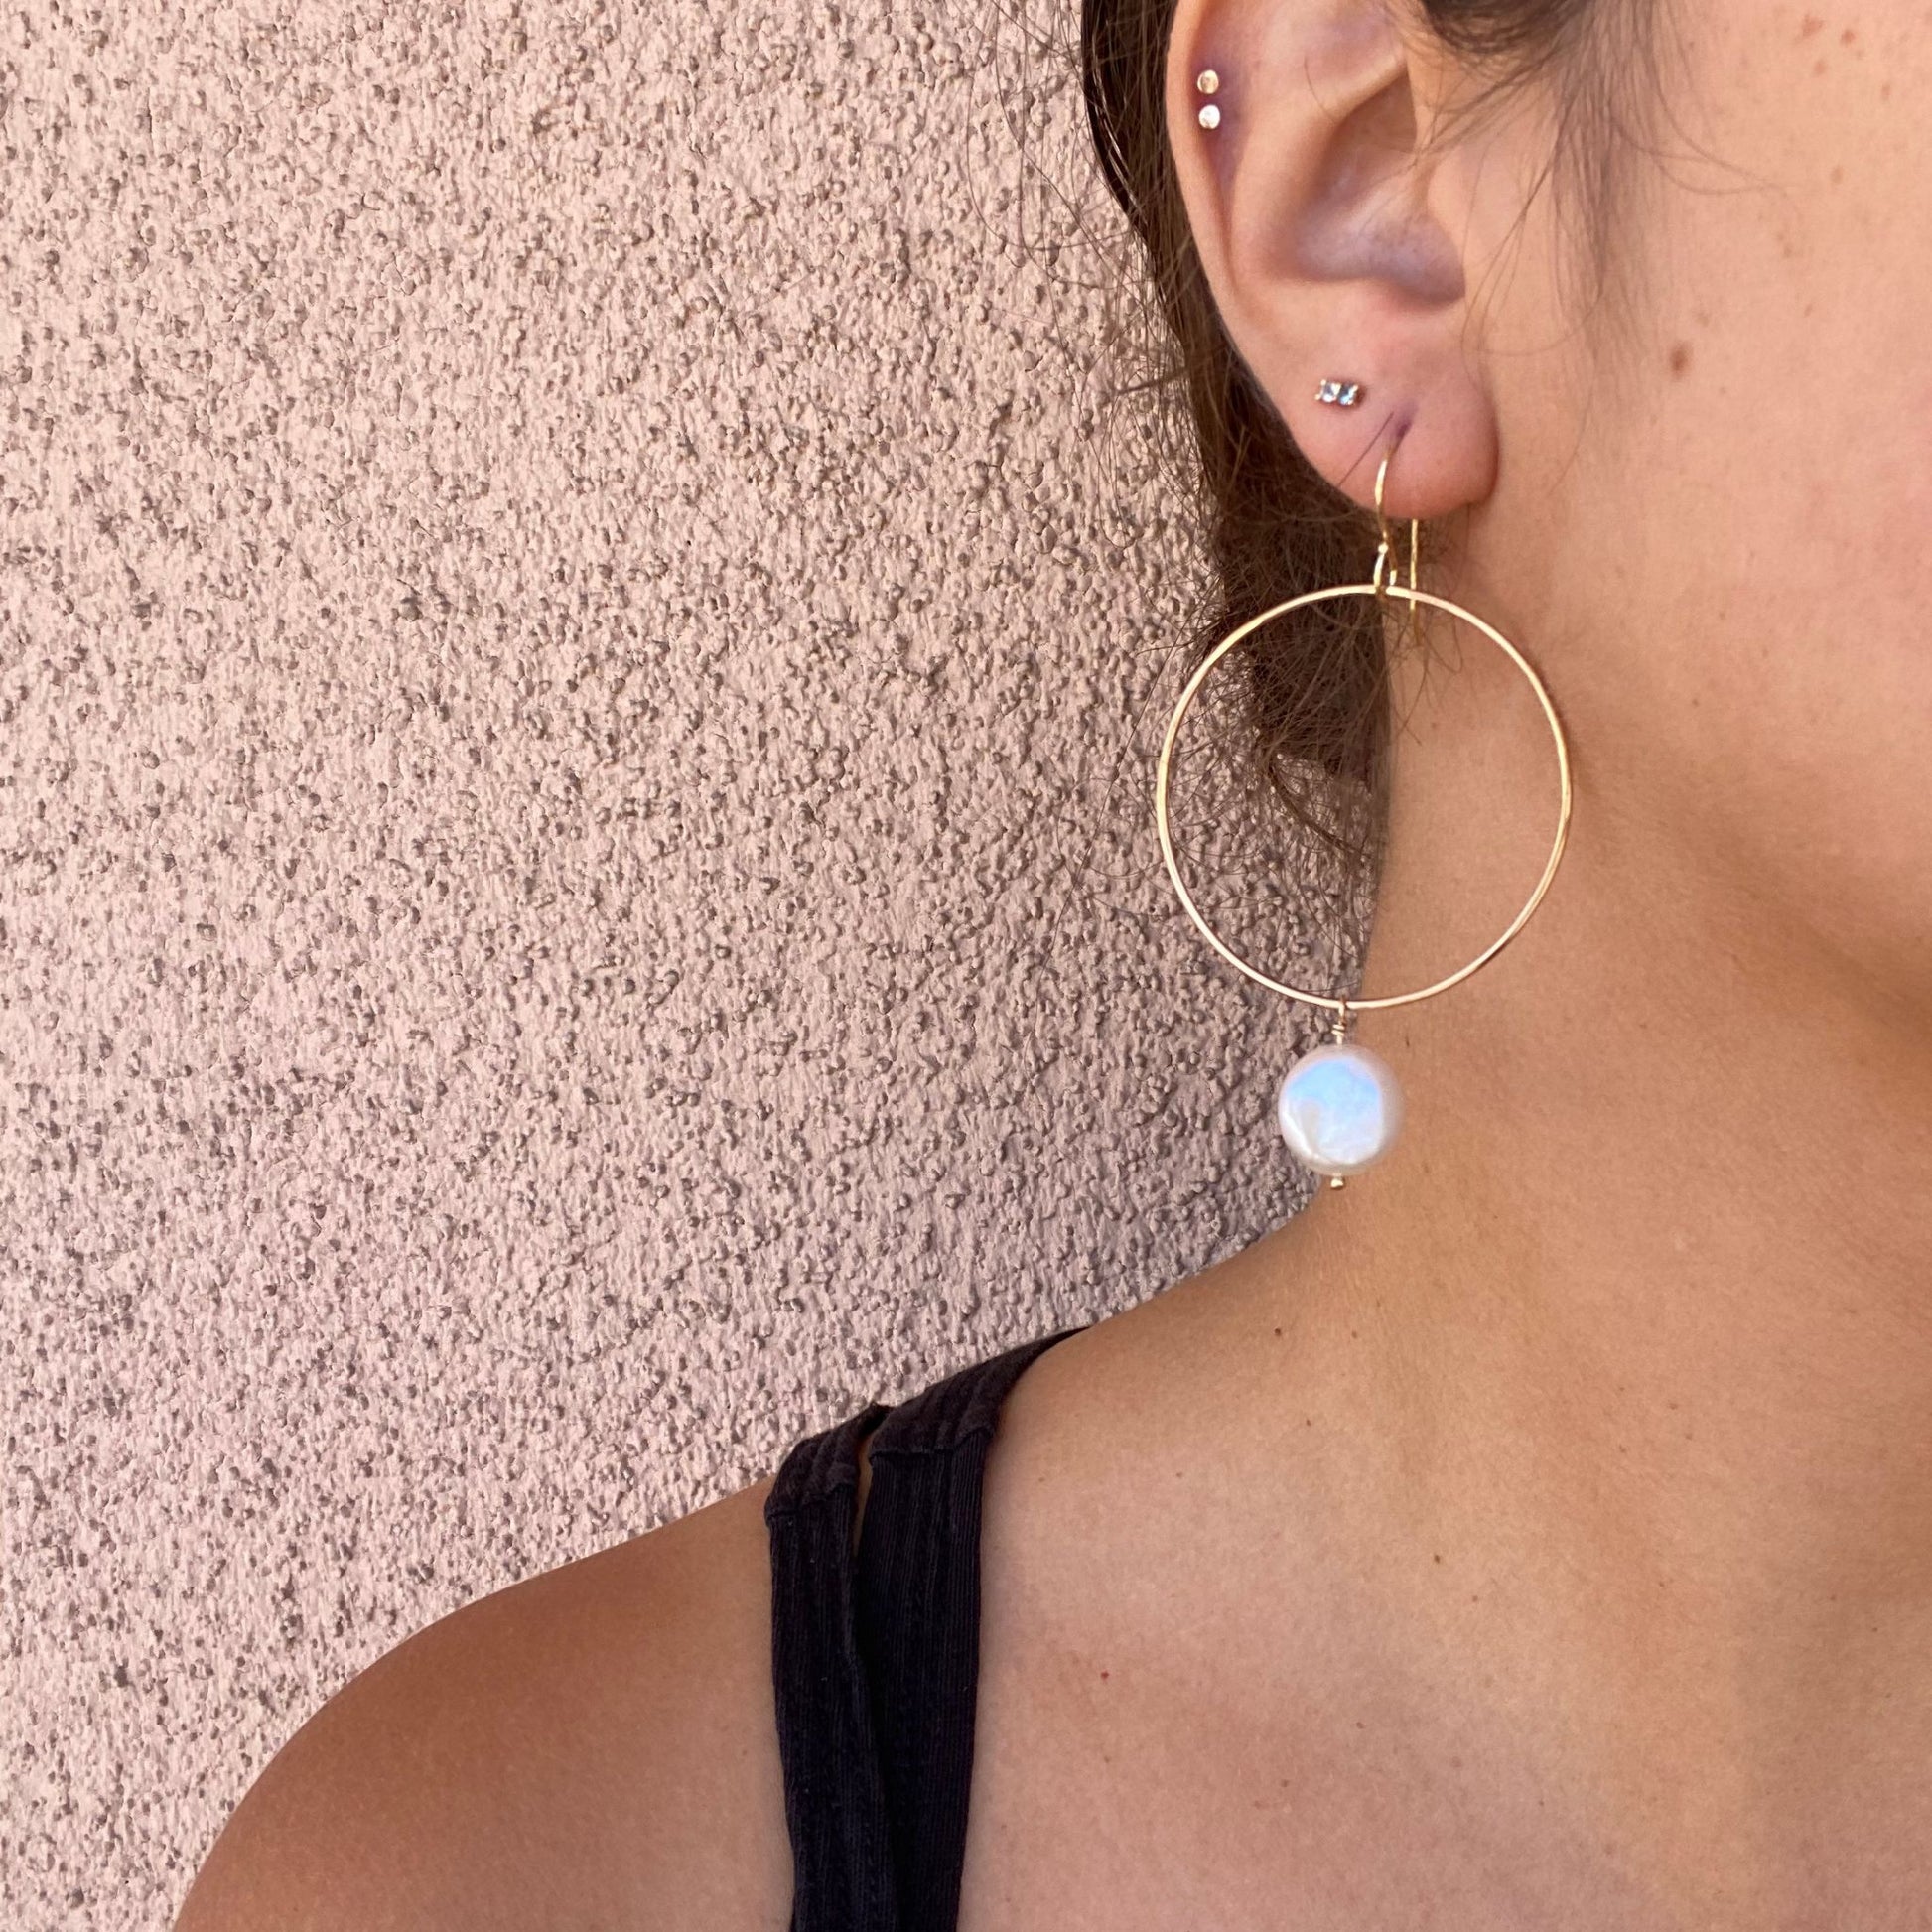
(1327, 239)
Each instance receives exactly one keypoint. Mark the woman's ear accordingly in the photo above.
(1333, 243)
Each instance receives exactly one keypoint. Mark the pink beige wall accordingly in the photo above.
(580, 652)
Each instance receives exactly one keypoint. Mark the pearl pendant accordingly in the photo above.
(1341, 1109)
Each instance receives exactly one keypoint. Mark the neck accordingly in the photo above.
(1640, 1305)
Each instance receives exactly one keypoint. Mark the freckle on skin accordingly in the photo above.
(1819, 69)
(1680, 361)
(1838, 174)
(1813, 25)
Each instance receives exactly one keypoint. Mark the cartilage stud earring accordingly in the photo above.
(1344, 395)
(1206, 82)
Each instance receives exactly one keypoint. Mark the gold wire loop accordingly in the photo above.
(1384, 584)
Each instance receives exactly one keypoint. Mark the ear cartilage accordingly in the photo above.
(1344, 395)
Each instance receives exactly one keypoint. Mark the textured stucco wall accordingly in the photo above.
(580, 650)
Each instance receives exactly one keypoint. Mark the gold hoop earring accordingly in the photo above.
(1340, 1107)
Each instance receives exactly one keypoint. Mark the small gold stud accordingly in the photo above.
(1211, 115)
(1207, 81)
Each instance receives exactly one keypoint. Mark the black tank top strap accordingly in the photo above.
(918, 1615)
(835, 1806)
(876, 1653)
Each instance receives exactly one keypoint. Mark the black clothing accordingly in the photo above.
(874, 1658)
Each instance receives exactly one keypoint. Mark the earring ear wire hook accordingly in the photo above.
(1385, 565)
(1386, 569)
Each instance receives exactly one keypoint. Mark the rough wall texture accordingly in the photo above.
(580, 644)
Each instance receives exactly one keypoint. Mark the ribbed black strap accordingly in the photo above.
(918, 1611)
(835, 1806)
(876, 1660)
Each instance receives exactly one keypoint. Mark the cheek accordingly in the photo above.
(1782, 393)
(1744, 550)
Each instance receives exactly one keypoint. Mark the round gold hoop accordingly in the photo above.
(1386, 585)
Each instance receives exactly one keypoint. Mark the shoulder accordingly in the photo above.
(593, 1746)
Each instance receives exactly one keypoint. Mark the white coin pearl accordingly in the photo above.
(1341, 1109)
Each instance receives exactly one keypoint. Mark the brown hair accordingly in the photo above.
(1316, 695)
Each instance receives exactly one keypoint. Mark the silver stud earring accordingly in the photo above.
(1206, 82)
(1344, 395)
